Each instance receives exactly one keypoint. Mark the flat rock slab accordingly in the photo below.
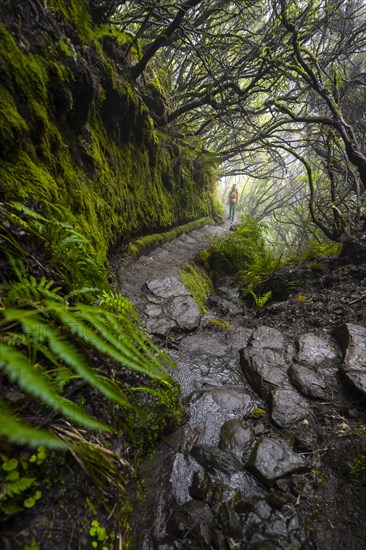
(288, 407)
(231, 398)
(308, 382)
(316, 351)
(272, 460)
(205, 344)
(267, 337)
(170, 287)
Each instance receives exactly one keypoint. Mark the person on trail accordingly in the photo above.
(233, 201)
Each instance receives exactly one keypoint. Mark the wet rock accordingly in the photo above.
(231, 398)
(160, 326)
(308, 382)
(152, 310)
(262, 545)
(314, 351)
(212, 458)
(205, 343)
(305, 435)
(265, 369)
(288, 407)
(240, 338)
(272, 460)
(237, 437)
(214, 489)
(213, 407)
(352, 339)
(228, 308)
(267, 337)
(185, 312)
(230, 521)
(182, 472)
(170, 287)
(194, 518)
(276, 500)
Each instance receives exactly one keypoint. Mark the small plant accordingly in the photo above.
(358, 468)
(223, 325)
(258, 412)
(301, 298)
(261, 301)
(100, 538)
(32, 546)
(316, 266)
(319, 476)
(18, 481)
(295, 283)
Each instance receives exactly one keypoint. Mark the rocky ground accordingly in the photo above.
(272, 451)
(273, 454)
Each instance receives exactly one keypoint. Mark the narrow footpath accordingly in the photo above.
(267, 458)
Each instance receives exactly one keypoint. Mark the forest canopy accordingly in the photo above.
(275, 88)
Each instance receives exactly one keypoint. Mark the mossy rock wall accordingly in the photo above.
(76, 140)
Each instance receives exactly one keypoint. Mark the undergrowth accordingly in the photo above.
(198, 283)
(66, 332)
(243, 253)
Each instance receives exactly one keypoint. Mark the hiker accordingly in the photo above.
(233, 201)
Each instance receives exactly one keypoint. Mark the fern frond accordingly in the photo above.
(81, 291)
(72, 357)
(118, 344)
(22, 434)
(118, 303)
(20, 370)
(29, 289)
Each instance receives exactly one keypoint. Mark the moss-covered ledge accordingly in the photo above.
(145, 244)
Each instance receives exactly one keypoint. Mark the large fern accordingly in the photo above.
(47, 340)
(49, 328)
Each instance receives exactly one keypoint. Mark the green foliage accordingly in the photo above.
(150, 184)
(100, 537)
(315, 250)
(18, 481)
(70, 254)
(52, 333)
(358, 468)
(258, 413)
(261, 301)
(32, 546)
(222, 325)
(198, 283)
(244, 254)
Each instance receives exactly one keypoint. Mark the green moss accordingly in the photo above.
(198, 283)
(23, 179)
(258, 413)
(222, 325)
(146, 243)
(358, 468)
(119, 176)
(75, 13)
(12, 125)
